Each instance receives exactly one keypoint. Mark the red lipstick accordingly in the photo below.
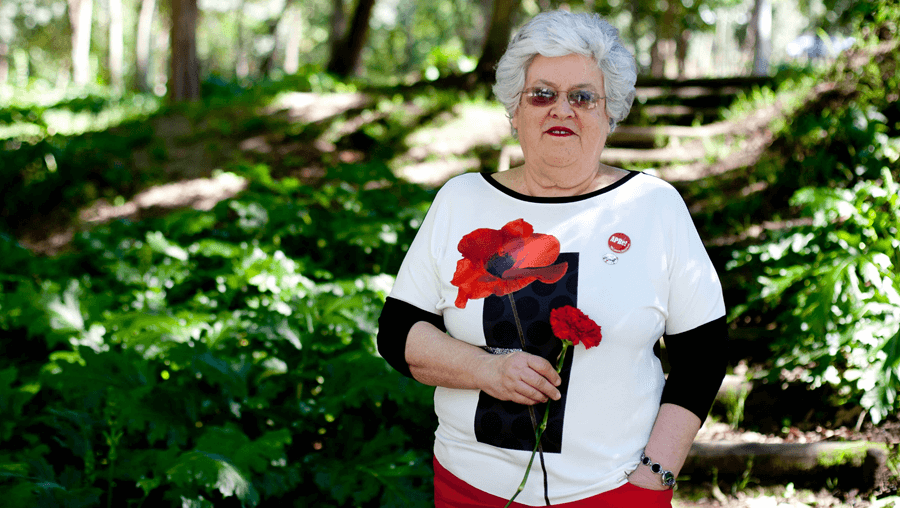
(559, 131)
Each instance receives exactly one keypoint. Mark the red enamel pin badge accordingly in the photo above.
(619, 242)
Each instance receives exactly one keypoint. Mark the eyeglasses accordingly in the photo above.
(582, 99)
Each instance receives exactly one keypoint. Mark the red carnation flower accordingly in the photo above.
(500, 262)
(571, 324)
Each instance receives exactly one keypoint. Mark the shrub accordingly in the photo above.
(216, 358)
(837, 280)
(833, 280)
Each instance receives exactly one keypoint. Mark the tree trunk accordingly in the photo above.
(4, 60)
(184, 78)
(143, 45)
(338, 27)
(681, 51)
(116, 45)
(497, 40)
(667, 31)
(346, 61)
(407, 19)
(241, 64)
(272, 27)
(657, 61)
(159, 65)
(762, 13)
(80, 15)
(4, 63)
(292, 44)
(749, 44)
(466, 30)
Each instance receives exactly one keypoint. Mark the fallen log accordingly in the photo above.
(852, 464)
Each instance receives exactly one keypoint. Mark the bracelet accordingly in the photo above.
(667, 478)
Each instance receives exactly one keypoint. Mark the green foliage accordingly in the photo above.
(44, 175)
(745, 479)
(856, 16)
(735, 401)
(39, 112)
(837, 277)
(59, 153)
(432, 39)
(217, 357)
(447, 59)
(833, 278)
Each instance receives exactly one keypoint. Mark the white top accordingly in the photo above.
(636, 266)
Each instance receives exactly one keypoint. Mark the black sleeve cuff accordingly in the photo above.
(698, 362)
(397, 318)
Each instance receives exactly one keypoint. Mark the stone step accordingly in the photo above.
(687, 92)
(674, 112)
(740, 82)
(635, 133)
(657, 156)
(512, 155)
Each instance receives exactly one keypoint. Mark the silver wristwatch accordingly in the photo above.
(668, 479)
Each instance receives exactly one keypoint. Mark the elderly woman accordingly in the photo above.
(470, 310)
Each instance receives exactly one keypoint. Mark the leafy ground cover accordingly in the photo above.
(825, 269)
(224, 354)
(212, 357)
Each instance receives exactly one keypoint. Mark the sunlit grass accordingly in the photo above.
(69, 123)
(69, 114)
(791, 94)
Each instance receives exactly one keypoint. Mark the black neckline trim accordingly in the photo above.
(558, 199)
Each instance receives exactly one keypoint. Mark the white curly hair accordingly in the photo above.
(560, 33)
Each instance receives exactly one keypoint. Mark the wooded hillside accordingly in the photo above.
(199, 225)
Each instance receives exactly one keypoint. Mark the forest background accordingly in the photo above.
(204, 202)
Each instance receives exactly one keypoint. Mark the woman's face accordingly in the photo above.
(560, 135)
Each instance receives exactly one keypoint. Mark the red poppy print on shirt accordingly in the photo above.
(500, 262)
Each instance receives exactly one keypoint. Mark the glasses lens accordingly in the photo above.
(542, 96)
(584, 99)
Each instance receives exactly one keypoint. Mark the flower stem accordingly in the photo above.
(534, 425)
(512, 302)
(540, 430)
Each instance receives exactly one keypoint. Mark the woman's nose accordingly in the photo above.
(562, 108)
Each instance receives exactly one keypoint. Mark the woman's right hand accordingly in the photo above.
(519, 377)
(437, 359)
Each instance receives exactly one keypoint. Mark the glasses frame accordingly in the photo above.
(532, 92)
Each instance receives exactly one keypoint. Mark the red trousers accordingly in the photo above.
(451, 492)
